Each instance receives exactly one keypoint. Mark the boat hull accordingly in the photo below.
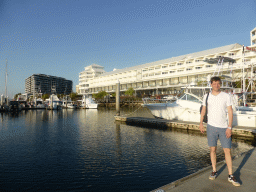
(177, 112)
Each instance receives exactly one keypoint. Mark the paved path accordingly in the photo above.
(244, 168)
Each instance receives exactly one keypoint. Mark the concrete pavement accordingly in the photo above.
(244, 168)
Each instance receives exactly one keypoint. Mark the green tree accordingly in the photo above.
(113, 94)
(130, 92)
(73, 96)
(16, 96)
(100, 95)
(45, 96)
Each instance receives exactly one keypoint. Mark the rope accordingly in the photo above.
(133, 111)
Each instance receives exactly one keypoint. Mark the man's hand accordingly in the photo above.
(201, 127)
(228, 133)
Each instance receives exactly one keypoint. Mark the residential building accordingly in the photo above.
(89, 73)
(41, 83)
(253, 37)
(170, 75)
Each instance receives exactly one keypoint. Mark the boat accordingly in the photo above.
(71, 106)
(54, 103)
(187, 106)
(89, 103)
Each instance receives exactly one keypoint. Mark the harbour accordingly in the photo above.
(86, 150)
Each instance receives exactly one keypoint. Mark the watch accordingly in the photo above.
(229, 127)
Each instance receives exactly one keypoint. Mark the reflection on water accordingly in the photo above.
(85, 150)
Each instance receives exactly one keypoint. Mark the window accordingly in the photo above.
(198, 68)
(197, 60)
(164, 73)
(179, 63)
(207, 66)
(180, 70)
(189, 69)
(157, 73)
(188, 62)
(171, 71)
(164, 66)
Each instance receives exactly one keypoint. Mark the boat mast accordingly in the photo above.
(243, 79)
(6, 79)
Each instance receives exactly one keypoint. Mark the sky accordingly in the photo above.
(61, 37)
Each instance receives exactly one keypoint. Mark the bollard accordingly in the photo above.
(35, 103)
(118, 98)
(7, 101)
(2, 100)
(51, 102)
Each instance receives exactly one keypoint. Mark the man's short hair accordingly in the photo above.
(215, 79)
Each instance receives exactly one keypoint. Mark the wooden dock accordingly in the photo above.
(245, 132)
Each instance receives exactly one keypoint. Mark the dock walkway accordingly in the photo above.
(244, 168)
(245, 132)
(244, 165)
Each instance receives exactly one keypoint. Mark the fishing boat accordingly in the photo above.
(187, 106)
(89, 103)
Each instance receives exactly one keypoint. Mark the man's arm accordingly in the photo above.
(201, 126)
(230, 120)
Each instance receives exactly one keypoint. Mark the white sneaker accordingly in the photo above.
(232, 179)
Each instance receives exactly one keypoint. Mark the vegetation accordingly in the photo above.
(16, 96)
(113, 94)
(73, 96)
(130, 92)
(45, 96)
(100, 95)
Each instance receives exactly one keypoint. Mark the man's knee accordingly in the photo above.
(227, 150)
(213, 149)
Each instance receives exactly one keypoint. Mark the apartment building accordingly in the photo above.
(170, 75)
(89, 73)
(41, 83)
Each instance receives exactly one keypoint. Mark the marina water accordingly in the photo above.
(85, 150)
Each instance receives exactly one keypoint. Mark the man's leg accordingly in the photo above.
(213, 157)
(228, 159)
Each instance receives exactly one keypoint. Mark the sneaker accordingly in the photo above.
(213, 175)
(233, 180)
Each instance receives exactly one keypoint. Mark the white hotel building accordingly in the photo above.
(169, 75)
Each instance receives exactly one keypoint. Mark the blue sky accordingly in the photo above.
(61, 37)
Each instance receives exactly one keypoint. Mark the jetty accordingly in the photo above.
(243, 164)
(244, 170)
(237, 131)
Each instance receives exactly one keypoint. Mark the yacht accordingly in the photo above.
(89, 103)
(187, 106)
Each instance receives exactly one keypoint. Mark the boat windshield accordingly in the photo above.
(189, 97)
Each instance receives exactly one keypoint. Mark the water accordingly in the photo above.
(85, 150)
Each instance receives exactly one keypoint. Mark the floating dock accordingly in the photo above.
(246, 132)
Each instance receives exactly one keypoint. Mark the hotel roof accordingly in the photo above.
(179, 58)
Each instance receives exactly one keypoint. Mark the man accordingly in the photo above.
(218, 126)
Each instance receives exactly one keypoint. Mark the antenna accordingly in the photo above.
(6, 79)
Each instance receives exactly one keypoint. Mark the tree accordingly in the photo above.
(130, 92)
(100, 95)
(16, 96)
(113, 94)
(45, 96)
(73, 96)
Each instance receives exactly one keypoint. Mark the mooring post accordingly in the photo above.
(2, 100)
(7, 101)
(35, 103)
(118, 98)
(51, 102)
